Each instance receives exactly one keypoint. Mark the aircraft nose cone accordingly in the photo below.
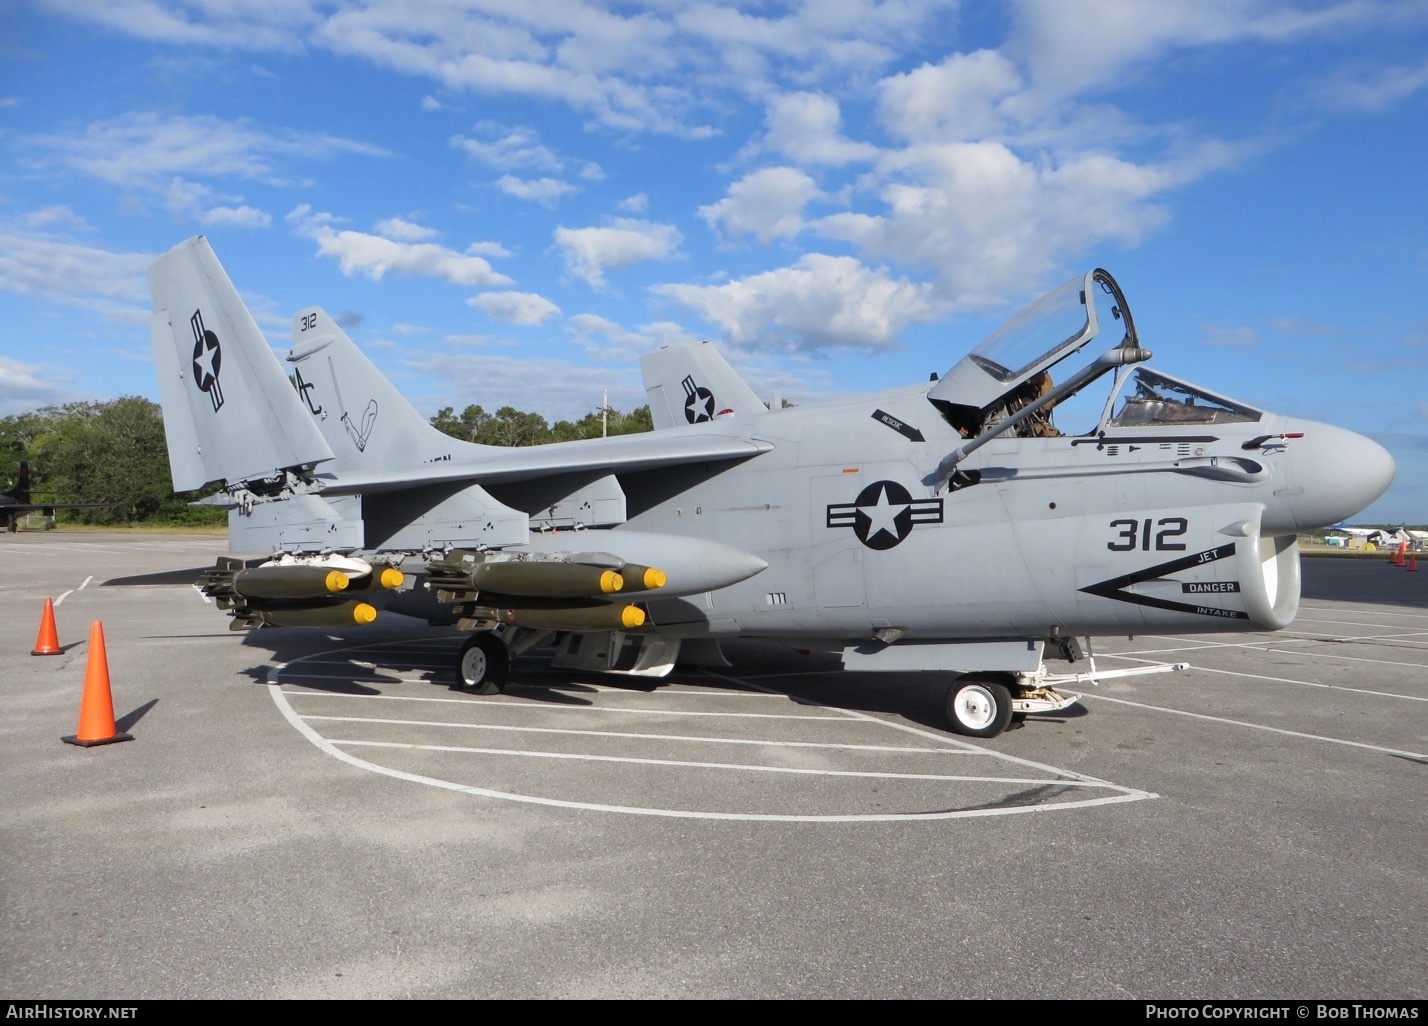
(1336, 473)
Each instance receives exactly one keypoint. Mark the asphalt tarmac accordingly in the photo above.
(313, 814)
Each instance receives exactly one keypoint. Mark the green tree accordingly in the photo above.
(18, 435)
(471, 426)
(513, 427)
(102, 452)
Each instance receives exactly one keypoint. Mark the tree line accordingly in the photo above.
(509, 426)
(114, 453)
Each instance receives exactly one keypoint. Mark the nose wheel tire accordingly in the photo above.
(979, 706)
(484, 665)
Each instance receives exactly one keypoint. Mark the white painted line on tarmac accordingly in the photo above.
(1061, 778)
(1260, 726)
(1381, 613)
(1292, 680)
(72, 591)
(1346, 659)
(500, 728)
(920, 732)
(1317, 654)
(1415, 629)
(747, 767)
(279, 697)
(1409, 638)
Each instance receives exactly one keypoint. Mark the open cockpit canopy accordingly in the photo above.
(1017, 358)
(1005, 384)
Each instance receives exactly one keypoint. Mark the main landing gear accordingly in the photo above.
(484, 665)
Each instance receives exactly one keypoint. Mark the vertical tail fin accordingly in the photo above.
(230, 413)
(691, 383)
(372, 429)
(22, 485)
(366, 422)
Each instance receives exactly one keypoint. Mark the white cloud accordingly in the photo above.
(1072, 45)
(987, 221)
(820, 302)
(636, 204)
(488, 249)
(958, 99)
(603, 339)
(1232, 336)
(1374, 89)
(523, 308)
(816, 41)
(636, 67)
(146, 150)
(24, 387)
(203, 204)
(236, 217)
(589, 252)
(401, 230)
(79, 275)
(54, 216)
(766, 204)
(538, 190)
(557, 389)
(806, 127)
(516, 148)
(265, 25)
(375, 256)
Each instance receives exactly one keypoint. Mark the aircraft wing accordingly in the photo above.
(627, 453)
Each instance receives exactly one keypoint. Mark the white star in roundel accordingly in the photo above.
(204, 362)
(882, 515)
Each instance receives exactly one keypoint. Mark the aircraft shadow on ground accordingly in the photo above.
(817, 678)
(357, 662)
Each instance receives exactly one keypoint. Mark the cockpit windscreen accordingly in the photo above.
(1153, 399)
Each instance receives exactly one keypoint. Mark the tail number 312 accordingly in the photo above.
(1137, 534)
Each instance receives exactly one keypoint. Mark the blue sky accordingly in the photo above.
(506, 204)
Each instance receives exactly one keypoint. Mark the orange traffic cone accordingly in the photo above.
(47, 643)
(96, 709)
(1412, 561)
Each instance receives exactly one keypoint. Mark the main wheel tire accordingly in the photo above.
(978, 706)
(484, 665)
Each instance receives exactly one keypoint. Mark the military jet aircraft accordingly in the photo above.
(1381, 537)
(951, 526)
(18, 504)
